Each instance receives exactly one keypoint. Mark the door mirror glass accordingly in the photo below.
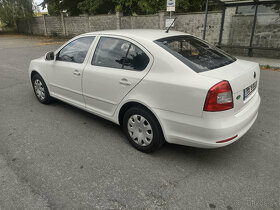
(49, 56)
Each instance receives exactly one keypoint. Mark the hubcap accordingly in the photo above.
(140, 130)
(39, 89)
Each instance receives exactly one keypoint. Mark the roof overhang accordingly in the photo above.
(234, 3)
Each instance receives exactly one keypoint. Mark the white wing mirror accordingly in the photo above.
(49, 56)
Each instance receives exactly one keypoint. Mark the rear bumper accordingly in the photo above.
(204, 133)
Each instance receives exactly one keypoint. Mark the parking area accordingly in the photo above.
(59, 157)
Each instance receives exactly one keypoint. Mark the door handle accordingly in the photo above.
(76, 72)
(125, 82)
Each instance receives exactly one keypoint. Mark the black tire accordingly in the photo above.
(157, 139)
(47, 98)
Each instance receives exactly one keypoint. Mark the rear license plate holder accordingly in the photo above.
(249, 90)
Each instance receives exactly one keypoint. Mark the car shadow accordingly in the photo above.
(168, 151)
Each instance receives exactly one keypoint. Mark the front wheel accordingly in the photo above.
(40, 89)
(142, 130)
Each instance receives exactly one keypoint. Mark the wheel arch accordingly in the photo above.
(33, 73)
(130, 104)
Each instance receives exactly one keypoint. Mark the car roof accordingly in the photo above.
(147, 34)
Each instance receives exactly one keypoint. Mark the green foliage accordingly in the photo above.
(10, 10)
(97, 6)
(276, 7)
(196, 5)
(71, 6)
(151, 7)
(57, 6)
(127, 7)
(54, 7)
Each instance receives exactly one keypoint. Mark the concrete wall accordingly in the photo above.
(143, 21)
(237, 28)
(102, 22)
(53, 26)
(193, 24)
(267, 34)
(76, 25)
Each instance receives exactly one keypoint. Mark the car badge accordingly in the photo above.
(238, 97)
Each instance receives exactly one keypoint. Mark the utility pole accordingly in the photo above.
(205, 19)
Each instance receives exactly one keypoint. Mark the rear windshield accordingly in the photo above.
(197, 54)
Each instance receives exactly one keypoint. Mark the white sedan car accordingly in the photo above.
(158, 86)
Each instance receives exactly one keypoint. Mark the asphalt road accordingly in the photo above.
(59, 157)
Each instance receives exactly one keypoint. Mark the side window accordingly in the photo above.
(110, 52)
(75, 51)
(136, 59)
(118, 53)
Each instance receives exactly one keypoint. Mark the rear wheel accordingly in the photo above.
(142, 129)
(40, 89)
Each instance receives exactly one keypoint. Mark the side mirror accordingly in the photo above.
(49, 56)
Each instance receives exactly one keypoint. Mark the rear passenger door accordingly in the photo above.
(117, 65)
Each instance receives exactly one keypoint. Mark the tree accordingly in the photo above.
(57, 6)
(140, 7)
(127, 7)
(97, 6)
(54, 6)
(10, 10)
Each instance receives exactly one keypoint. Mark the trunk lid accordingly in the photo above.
(241, 75)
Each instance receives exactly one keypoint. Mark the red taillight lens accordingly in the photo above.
(219, 98)
(226, 140)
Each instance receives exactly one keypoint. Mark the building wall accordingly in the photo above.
(237, 28)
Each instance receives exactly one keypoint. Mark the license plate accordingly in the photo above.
(248, 90)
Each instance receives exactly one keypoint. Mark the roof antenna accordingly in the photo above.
(170, 25)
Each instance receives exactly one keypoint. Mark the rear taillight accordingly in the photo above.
(226, 140)
(219, 98)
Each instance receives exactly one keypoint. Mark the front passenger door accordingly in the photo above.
(65, 73)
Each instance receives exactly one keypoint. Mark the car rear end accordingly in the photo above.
(231, 105)
(231, 122)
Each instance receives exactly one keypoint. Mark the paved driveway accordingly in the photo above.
(59, 157)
